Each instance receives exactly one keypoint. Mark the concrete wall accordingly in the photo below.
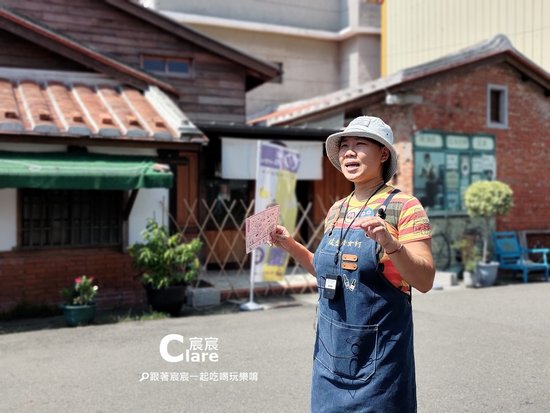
(310, 66)
(360, 60)
(323, 45)
(150, 203)
(8, 223)
(419, 31)
(311, 14)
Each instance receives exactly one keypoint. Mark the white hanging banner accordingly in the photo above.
(239, 158)
(276, 175)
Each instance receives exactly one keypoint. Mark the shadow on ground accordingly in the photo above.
(20, 325)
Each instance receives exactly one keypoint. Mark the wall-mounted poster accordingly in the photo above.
(429, 173)
(446, 164)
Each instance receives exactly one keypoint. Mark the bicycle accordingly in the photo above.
(447, 228)
(441, 251)
(442, 240)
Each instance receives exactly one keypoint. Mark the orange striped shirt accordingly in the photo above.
(413, 224)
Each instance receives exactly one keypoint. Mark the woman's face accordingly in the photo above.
(361, 159)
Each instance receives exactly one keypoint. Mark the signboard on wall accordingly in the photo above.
(445, 164)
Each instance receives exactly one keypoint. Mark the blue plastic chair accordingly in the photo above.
(512, 256)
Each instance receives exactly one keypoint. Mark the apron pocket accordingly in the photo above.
(347, 350)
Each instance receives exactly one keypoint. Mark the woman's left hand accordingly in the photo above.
(415, 262)
(375, 228)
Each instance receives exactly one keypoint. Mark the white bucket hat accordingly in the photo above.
(365, 127)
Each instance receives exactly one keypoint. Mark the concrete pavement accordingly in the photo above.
(484, 350)
(477, 350)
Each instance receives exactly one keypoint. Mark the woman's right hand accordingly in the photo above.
(279, 237)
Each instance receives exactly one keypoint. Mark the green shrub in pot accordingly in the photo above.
(163, 259)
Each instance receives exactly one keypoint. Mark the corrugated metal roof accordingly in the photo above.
(87, 104)
(498, 45)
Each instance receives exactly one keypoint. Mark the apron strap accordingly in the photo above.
(382, 211)
(383, 207)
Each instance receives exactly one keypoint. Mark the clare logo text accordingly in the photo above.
(173, 349)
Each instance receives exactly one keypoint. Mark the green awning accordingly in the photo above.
(81, 171)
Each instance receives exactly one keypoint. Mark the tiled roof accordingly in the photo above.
(499, 45)
(81, 104)
(48, 38)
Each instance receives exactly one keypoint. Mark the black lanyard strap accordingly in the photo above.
(342, 233)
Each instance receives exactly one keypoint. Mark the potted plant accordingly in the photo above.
(487, 200)
(469, 256)
(167, 266)
(79, 306)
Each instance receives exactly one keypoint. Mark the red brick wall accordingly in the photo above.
(36, 277)
(456, 102)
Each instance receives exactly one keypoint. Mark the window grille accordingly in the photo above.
(70, 218)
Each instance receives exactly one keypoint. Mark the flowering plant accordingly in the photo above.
(82, 293)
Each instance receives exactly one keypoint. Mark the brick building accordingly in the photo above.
(481, 113)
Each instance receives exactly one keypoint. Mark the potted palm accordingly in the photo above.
(167, 266)
(79, 307)
(487, 200)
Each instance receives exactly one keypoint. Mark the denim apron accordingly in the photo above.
(363, 357)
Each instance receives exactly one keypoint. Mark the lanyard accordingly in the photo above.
(342, 233)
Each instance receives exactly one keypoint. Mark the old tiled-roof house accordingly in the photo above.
(481, 113)
(98, 104)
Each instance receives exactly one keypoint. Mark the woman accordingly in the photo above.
(365, 267)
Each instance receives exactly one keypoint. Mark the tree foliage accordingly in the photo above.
(488, 199)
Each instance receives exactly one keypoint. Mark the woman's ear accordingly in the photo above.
(385, 154)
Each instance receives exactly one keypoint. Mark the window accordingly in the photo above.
(446, 163)
(222, 194)
(63, 218)
(228, 201)
(497, 106)
(351, 114)
(167, 66)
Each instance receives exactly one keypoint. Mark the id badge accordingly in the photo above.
(332, 283)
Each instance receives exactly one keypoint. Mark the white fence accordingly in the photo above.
(221, 226)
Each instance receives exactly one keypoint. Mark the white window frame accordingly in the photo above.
(503, 106)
